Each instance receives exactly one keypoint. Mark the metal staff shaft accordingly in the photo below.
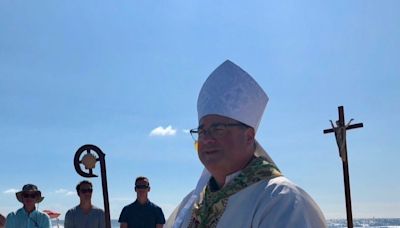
(101, 158)
(346, 176)
(105, 192)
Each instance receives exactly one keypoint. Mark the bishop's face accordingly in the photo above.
(223, 148)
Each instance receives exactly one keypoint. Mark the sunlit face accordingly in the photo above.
(229, 152)
(85, 192)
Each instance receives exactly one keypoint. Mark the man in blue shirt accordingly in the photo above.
(28, 216)
(142, 213)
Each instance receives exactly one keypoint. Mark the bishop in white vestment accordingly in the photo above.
(240, 186)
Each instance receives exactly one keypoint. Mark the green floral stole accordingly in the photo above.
(210, 209)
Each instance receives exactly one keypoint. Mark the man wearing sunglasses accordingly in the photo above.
(28, 216)
(142, 213)
(240, 186)
(85, 215)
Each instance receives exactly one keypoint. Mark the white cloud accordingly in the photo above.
(70, 193)
(10, 191)
(160, 131)
(65, 192)
(187, 131)
(61, 191)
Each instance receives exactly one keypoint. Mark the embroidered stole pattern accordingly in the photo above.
(208, 212)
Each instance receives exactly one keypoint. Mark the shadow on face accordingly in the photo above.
(225, 145)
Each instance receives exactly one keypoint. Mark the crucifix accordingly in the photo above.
(340, 135)
(89, 161)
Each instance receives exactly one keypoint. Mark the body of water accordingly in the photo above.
(367, 222)
(332, 223)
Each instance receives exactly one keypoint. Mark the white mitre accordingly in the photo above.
(230, 91)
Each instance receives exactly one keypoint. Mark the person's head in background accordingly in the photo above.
(29, 196)
(2, 221)
(84, 189)
(142, 188)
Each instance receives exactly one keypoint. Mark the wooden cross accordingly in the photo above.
(340, 135)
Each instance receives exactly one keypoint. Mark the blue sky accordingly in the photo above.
(111, 72)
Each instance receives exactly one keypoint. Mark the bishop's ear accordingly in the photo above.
(250, 136)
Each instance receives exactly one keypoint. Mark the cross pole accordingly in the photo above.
(89, 160)
(340, 135)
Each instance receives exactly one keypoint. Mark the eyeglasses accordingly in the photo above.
(216, 130)
(87, 190)
(31, 196)
(142, 186)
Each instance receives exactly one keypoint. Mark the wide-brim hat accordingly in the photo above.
(30, 188)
